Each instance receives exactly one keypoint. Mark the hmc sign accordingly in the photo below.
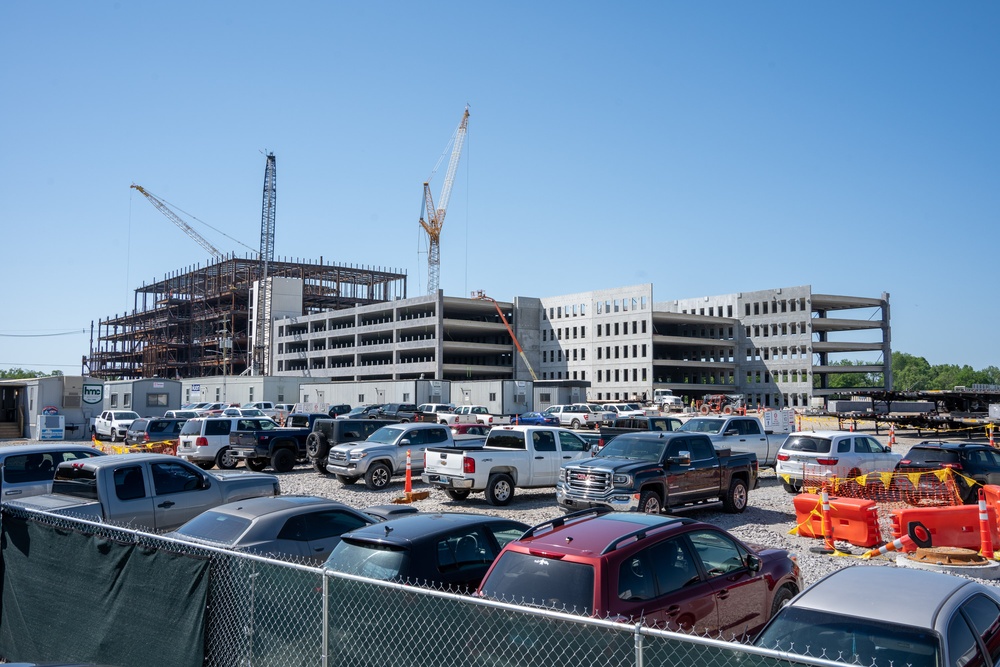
(93, 394)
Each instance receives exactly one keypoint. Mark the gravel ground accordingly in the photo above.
(767, 521)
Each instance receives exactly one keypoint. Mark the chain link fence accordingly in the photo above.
(264, 612)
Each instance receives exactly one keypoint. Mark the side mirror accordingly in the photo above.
(206, 483)
(587, 446)
(732, 431)
(754, 562)
(682, 459)
(405, 442)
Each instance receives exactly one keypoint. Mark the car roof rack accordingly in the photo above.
(561, 521)
(642, 533)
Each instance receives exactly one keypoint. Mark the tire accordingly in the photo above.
(791, 488)
(457, 494)
(205, 465)
(649, 502)
(378, 476)
(114, 435)
(781, 598)
(224, 459)
(500, 489)
(575, 423)
(317, 446)
(256, 464)
(703, 410)
(320, 466)
(346, 480)
(728, 410)
(283, 460)
(735, 500)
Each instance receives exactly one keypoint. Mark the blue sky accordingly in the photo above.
(707, 148)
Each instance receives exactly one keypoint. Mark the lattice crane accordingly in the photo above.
(174, 218)
(435, 216)
(478, 294)
(262, 323)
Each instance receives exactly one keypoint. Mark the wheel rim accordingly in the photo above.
(227, 458)
(740, 496)
(652, 505)
(380, 477)
(501, 491)
(312, 446)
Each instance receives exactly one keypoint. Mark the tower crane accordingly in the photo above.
(435, 216)
(262, 321)
(478, 294)
(174, 218)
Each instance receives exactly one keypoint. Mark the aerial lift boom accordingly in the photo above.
(478, 294)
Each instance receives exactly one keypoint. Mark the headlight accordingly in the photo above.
(622, 480)
(562, 474)
(357, 456)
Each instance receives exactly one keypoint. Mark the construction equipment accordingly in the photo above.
(435, 216)
(262, 306)
(174, 218)
(478, 294)
(725, 404)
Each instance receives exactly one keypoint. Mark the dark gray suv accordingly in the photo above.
(328, 433)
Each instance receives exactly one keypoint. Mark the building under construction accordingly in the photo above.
(201, 322)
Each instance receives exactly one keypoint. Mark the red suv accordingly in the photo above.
(670, 572)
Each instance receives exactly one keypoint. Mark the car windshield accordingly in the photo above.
(216, 527)
(126, 415)
(521, 578)
(386, 435)
(366, 559)
(849, 639)
(808, 444)
(702, 425)
(628, 447)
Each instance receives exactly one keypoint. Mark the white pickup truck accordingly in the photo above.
(740, 434)
(473, 414)
(513, 456)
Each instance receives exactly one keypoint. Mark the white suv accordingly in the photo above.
(113, 424)
(816, 456)
(204, 441)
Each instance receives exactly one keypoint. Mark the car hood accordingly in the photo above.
(241, 474)
(619, 465)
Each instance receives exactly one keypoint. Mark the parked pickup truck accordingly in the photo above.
(383, 453)
(473, 414)
(575, 416)
(270, 444)
(638, 424)
(513, 456)
(155, 492)
(648, 472)
(741, 434)
(401, 412)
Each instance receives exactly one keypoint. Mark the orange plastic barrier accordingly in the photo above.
(855, 520)
(992, 495)
(947, 526)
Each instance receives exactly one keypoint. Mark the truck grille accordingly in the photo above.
(587, 483)
(337, 456)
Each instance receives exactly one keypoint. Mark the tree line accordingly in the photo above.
(913, 373)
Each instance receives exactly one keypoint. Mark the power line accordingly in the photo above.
(42, 335)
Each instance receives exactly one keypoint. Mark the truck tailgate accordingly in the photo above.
(441, 461)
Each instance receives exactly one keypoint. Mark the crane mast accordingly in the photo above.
(174, 218)
(262, 320)
(435, 216)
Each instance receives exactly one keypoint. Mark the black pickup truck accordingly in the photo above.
(638, 424)
(650, 472)
(279, 447)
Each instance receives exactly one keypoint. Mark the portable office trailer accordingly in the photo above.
(242, 389)
(76, 399)
(375, 391)
(501, 397)
(150, 397)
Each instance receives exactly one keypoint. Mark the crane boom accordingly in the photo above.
(435, 216)
(480, 295)
(174, 218)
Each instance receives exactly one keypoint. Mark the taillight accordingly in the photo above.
(905, 462)
(145, 437)
(600, 443)
(783, 457)
(490, 421)
(827, 462)
(953, 466)
(202, 441)
(468, 465)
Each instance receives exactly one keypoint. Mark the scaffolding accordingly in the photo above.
(196, 323)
